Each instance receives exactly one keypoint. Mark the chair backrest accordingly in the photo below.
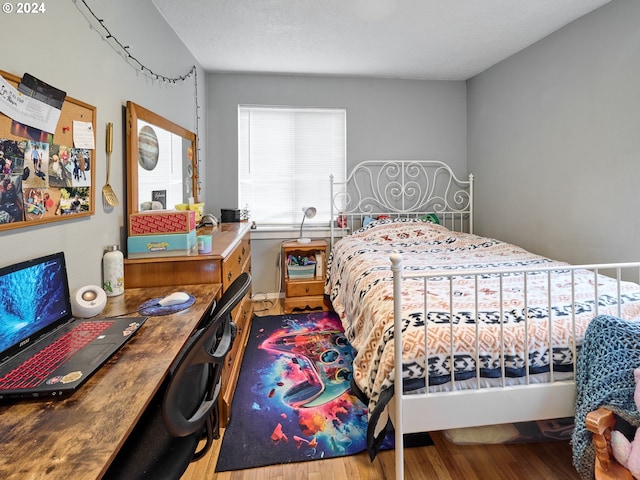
(194, 383)
(230, 297)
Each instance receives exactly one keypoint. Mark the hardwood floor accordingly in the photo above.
(442, 461)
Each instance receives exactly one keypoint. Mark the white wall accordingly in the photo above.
(554, 141)
(386, 119)
(60, 48)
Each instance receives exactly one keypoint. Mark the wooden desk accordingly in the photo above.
(230, 256)
(78, 437)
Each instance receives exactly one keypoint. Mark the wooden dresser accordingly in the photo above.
(230, 256)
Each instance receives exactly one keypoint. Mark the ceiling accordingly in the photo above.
(413, 39)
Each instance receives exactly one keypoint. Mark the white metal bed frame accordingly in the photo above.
(413, 189)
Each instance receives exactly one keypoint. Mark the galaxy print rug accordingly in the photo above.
(293, 400)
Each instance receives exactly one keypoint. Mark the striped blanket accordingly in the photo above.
(359, 285)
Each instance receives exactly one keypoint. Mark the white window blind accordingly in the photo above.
(286, 156)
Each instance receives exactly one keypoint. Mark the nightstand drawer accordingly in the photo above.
(304, 288)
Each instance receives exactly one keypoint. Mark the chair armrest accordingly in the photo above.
(601, 423)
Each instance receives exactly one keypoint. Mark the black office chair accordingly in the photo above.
(185, 410)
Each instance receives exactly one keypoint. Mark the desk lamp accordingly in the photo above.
(309, 212)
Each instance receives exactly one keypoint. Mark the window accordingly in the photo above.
(286, 156)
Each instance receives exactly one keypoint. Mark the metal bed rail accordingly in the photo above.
(429, 411)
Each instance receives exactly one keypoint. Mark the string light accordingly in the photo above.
(123, 50)
(108, 36)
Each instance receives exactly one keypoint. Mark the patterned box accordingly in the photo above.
(162, 222)
(172, 245)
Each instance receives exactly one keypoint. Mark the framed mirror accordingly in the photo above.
(161, 160)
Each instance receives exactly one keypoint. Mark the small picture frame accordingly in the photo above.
(159, 196)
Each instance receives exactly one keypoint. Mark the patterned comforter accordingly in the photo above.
(360, 287)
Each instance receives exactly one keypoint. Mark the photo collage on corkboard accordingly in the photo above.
(44, 177)
(41, 180)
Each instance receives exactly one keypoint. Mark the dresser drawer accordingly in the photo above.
(241, 318)
(233, 361)
(304, 288)
(237, 262)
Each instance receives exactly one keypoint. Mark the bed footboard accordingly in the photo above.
(614, 288)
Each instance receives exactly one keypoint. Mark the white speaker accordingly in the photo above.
(88, 301)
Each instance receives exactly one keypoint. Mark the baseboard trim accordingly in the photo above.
(262, 296)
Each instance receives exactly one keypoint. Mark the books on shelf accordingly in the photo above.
(309, 266)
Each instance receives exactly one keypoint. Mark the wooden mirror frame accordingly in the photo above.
(134, 113)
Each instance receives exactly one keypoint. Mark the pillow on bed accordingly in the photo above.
(427, 217)
(430, 217)
(398, 230)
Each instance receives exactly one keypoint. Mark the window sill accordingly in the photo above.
(285, 232)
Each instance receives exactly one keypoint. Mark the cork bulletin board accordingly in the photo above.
(43, 177)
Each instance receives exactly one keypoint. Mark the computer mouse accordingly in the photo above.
(174, 298)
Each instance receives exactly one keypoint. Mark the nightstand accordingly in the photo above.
(305, 293)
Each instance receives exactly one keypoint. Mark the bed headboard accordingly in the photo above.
(401, 188)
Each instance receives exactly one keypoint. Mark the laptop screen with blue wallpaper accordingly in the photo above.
(34, 301)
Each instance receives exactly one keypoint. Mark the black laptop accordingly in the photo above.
(44, 350)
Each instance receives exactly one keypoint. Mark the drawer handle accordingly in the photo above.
(306, 290)
(229, 275)
(243, 251)
(239, 259)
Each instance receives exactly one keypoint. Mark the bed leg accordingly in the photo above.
(396, 268)
(399, 448)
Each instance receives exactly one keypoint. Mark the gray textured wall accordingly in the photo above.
(61, 49)
(553, 139)
(386, 119)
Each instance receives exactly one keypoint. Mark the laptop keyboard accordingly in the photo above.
(37, 368)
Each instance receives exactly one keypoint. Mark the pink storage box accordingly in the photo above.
(162, 222)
